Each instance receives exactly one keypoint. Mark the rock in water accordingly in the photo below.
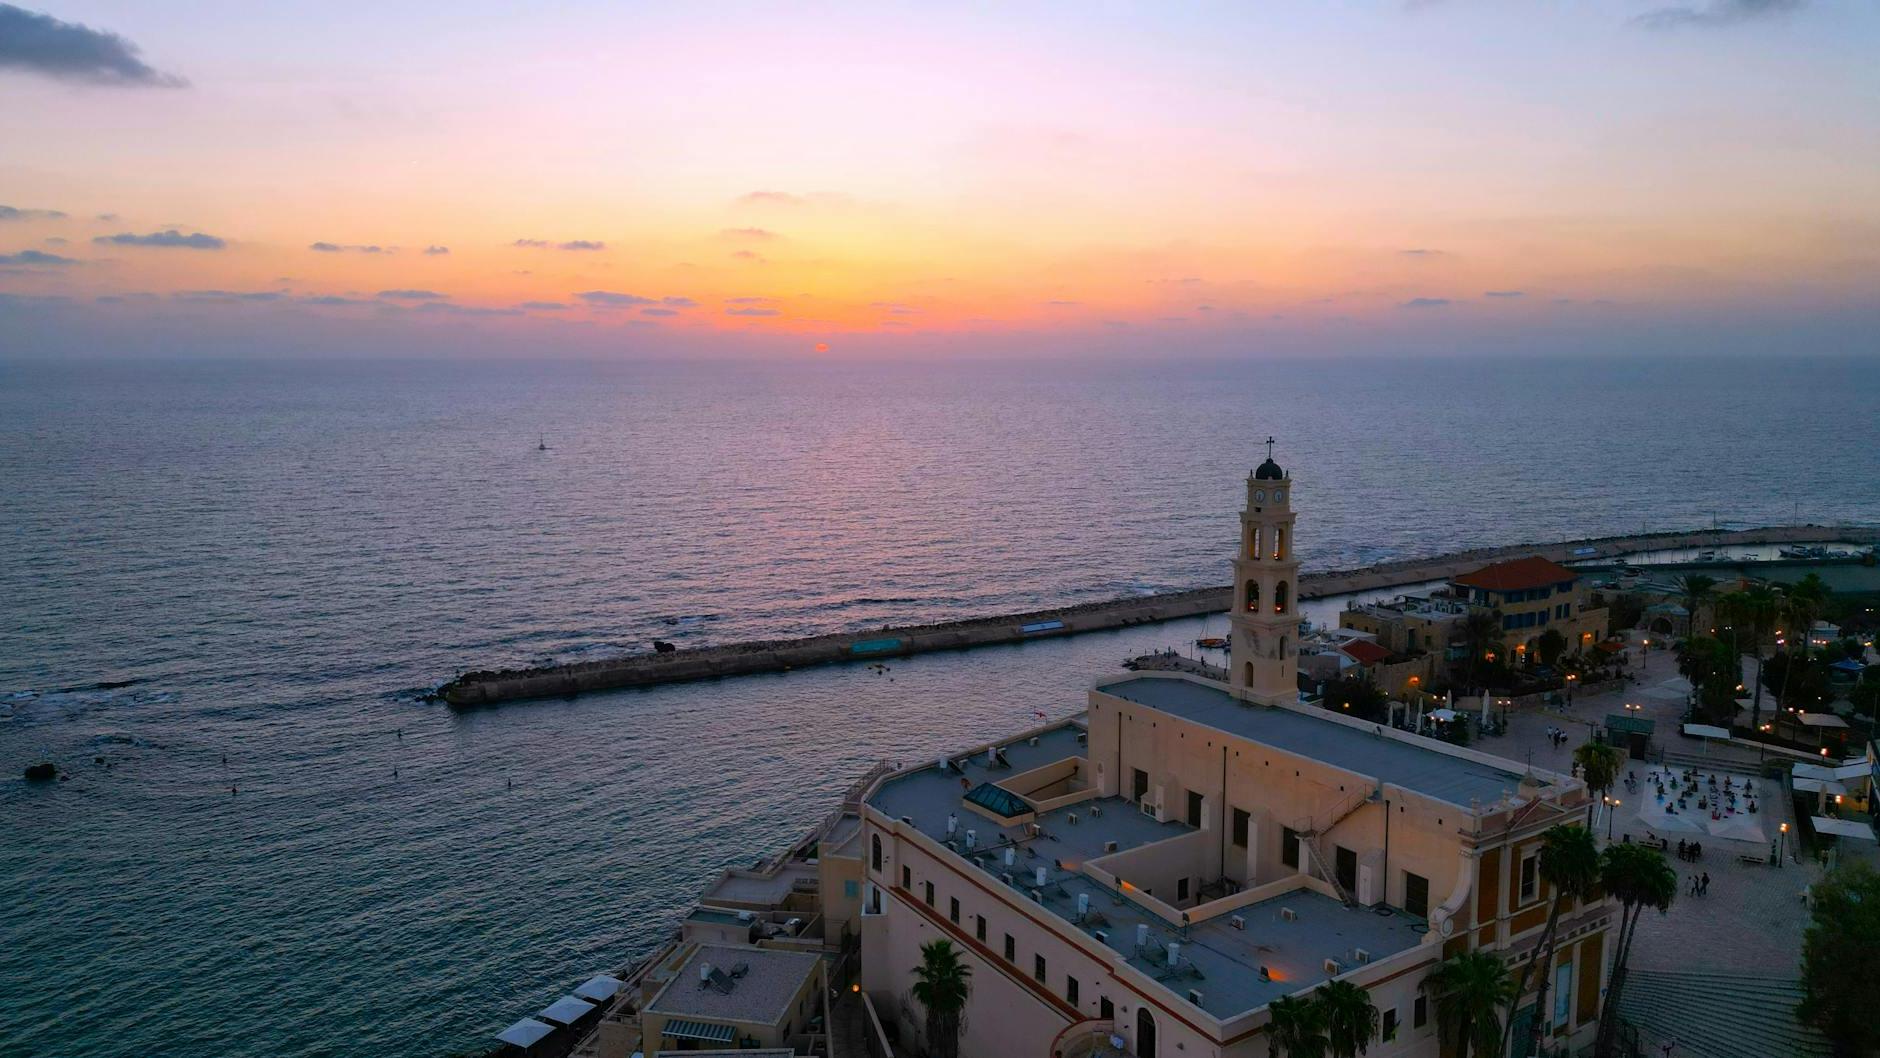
(44, 771)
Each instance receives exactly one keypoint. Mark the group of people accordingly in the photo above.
(1718, 800)
(1557, 737)
(1690, 851)
(1700, 884)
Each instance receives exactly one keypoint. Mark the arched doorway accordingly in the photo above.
(1249, 679)
(1145, 1033)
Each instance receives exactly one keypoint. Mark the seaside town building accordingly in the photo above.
(1156, 871)
(1532, 595)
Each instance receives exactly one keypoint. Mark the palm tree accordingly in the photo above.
(1756, 607)
(1470, 990)
(1297, 1026)
(1804, 604)
(1599, 766)
(941, 986)
(1569, 864)
(1697, 589)
(1640, 878)
(1481, 629)
(1350, 1019)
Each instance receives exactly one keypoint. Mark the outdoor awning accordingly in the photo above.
(698, 1030)
(1820, 720)
(599, 987)
(1631, 725)
(1848, 665)
(1820, 786)
(1842, 828)
(1444, 715)
(525, 1033)
(566, 1011)
(1706, 731)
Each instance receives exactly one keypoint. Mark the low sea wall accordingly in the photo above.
(739, 659)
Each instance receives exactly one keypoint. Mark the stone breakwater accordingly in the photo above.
(481, 688)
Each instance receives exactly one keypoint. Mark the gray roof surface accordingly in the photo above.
(1424, 770)
(1220, 962)
(762, 996)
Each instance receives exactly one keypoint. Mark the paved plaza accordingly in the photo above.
(1752, 919)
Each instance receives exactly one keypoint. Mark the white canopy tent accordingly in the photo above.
(525, 1033)
(599, 988)
(1842, 828)
(1445, 715)
(566, 1011)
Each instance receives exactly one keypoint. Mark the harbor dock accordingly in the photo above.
(481, 688)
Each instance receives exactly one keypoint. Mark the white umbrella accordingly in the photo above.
(1484, 707)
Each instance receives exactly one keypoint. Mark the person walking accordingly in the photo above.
(1703, 885)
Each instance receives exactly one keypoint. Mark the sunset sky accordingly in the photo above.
(593, 178)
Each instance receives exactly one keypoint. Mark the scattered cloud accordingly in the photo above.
(1061, 303)
(56, 240)
(170, 238)
(68, 51)
(748, 301)
(531, 244)
(412, 295)
(1715, 13)
(750, 234)
(108, 218)
(1425, 303)
(35, 257)
(1422, 253)
(445, 308)
(1504, 293)
(333, 247)
(572, 244)
(751, 312)
(679, 303)
(659, 312)
(749, 255)
(543, 306)
(332, 299)
(610, 299)
(15, 213)
(229, 295)
(436, 251)
(772, 198)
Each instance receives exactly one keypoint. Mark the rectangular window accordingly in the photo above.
(1037, 968)
(1416, 894)
(1241, 820)
(1011, 949)
(979, 928)
(1139, 784)
(953, 909)
(1070, 990)
(907, 877)
(1194, 810)
(928, 886)
(1420, 1013)
(1106, 1009)
(851, 888)
(1390, 1025)
(1181, 889)
(1289, 847)
(1530, 871)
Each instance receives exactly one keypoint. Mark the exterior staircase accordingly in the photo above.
(1310, 838)
(1713, 1015)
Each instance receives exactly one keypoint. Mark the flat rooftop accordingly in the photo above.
(1216, 960)
(1425, 770)
(761, 996)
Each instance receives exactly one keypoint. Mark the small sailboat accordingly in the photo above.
(541, 442)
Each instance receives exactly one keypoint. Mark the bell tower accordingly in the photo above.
(1264, 658)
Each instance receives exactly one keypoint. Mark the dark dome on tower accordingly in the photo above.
(1269, 471)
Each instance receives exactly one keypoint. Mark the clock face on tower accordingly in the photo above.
(1259, 495)
(1279, 495)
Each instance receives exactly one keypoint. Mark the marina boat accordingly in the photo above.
(1803, 551)
(1212, 642)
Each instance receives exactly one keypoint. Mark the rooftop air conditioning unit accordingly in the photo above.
(1287, 914)
(1237, 922)
(1101, 935)
(1037, 897)
(1070, 818)
(1194, 997)
(909, 820)
(1096, 810)
(1007, 877)
(1144, 807)
(1360, 956)
(1109, 846)
(1334, 967)
(1034, 740)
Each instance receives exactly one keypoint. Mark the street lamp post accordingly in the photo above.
(1782, 844)
(1613, 803)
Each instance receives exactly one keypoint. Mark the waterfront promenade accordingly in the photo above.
(480, 688)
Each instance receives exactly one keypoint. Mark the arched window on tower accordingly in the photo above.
(1254, 551)
(1282, 648)
(1279, 543)
(1253, 596)
(1281, 597)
